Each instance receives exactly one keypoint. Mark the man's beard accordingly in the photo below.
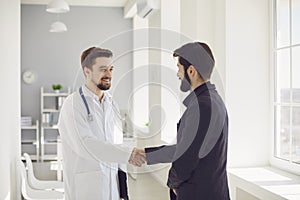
(102, 86)
(185, 83)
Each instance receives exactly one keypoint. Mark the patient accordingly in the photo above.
(199, 158)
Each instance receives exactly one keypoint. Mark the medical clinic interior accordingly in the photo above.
(256, 48)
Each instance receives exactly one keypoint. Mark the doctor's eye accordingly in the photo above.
(111, 68)
(103, 70)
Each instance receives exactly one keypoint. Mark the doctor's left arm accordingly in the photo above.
(75, 131)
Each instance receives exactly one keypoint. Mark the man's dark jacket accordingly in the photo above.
(200, 156)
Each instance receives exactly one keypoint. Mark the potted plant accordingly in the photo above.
(56, 87)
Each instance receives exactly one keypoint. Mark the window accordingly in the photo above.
(286, 99)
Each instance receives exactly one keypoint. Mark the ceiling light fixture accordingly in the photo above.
(58, 27)
(58, 6)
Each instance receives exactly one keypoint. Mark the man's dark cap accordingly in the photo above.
(195, 54)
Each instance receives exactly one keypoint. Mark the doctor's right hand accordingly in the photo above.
(138, 157)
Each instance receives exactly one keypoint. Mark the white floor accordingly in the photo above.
(145, 187)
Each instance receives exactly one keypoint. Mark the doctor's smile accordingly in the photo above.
(106, 80)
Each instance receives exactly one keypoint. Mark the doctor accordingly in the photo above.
(87, 125)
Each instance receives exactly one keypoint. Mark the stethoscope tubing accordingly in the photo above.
(89, 115)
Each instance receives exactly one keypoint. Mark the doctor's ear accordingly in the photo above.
(86, 71)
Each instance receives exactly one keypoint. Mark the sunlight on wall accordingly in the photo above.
(8, 196)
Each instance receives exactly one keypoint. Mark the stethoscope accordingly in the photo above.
(89, 115)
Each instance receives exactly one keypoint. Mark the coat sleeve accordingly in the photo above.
(186, 157)
(75, 131)
(161, 154)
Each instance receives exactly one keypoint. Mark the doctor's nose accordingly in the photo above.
(108, 73)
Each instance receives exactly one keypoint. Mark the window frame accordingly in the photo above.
(286, 165)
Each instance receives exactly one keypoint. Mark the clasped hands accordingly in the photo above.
(138, 157)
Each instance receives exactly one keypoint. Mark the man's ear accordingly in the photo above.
(192, 70)
(194, 73)
(86, 71)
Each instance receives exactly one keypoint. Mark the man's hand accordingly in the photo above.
(138, 157)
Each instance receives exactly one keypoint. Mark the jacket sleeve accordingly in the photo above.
(75, 131)
(186, 157)
(161, 154)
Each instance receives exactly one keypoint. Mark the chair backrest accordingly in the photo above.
(31, 177)
(31, 194)
(37, 184)
(24, 182)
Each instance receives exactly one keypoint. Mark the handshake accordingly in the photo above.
(138, 157)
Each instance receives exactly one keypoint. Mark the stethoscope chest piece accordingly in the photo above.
(90, 117)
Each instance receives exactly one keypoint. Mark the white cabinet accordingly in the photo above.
(51, 103)
(30, 141)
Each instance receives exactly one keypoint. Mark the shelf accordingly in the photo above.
(28, 142)
(50, 127)
(29, 127)
(51, 103)
(49, 143)
(51, 94)
(48, 110)
(32, 157)
(50, 157)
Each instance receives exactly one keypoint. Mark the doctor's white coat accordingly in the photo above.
(90, 157)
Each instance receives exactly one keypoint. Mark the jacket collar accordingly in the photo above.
(196, 92)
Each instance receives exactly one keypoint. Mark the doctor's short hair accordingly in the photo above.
(89, 56)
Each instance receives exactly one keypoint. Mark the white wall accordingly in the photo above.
(211, 30)
(140, 75)
(204, 21)
(163, 40)
(219, 46)
(60, 52)
(247, 81)
(238, 34)
(10, 98)
(155, 92)
(205, 16)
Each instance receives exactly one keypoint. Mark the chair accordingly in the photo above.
(39, 184)
(32, 194)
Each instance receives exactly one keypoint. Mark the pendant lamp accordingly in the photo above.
(58, 6)
(58, 27)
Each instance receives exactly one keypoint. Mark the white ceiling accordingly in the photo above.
(104, 3)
